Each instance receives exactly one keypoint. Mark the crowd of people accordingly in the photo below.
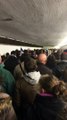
(33, 85)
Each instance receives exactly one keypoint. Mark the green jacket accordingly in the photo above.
(8, 80)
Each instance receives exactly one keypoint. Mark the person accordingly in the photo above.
(64, 75)
(31, 70)
(42, 59)
(58, 70)
(49, 103)
(8, 79)
(6, 109)
(51, 62)
(10, 63)
(25, 89)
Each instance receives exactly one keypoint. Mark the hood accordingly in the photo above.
(32, 77)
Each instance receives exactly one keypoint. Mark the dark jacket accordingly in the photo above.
(62, 64)
(43, 69)
(47, 108)
(58, 70)
(24, 95)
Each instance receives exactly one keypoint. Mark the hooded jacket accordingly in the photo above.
(25, 92)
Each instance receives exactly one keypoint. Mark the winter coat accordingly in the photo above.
(58, 70)
(25, 92)
(47, 108)
(8, 80)
(43, 69)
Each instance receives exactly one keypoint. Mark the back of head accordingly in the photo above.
(13, 52)
(10, 63)
(42, 58)
(30, 64)
(52, 85)
(51, 61)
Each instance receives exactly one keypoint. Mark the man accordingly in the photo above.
(42, 59)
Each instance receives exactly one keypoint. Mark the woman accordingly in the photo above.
(49, 103)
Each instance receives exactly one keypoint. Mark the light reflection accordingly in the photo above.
(62, 43)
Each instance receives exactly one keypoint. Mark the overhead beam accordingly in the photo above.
(9, 41)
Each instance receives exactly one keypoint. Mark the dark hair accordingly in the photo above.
(30, 64)
(13, 52)
(52, 85)
(51, 61)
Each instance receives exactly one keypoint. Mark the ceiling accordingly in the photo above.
(40, 22)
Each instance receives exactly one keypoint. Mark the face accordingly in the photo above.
(43, 58)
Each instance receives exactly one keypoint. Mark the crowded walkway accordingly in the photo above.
(33, 85)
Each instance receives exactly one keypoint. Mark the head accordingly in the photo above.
(51, 84)
(42, 58)
(13, 52)
(30, 64)
(51, 61)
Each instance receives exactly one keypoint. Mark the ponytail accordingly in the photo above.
(59, 89)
